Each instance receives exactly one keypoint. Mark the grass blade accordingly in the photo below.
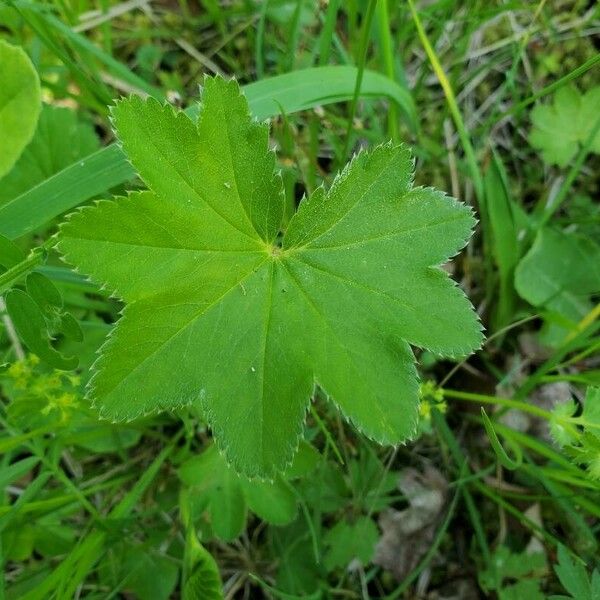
(107, 168)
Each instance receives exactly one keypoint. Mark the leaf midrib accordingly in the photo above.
(204, 310)
(311, 247)
(165, 246)
(234, 172)
(340, 180)
(195, 192)
(324, 320)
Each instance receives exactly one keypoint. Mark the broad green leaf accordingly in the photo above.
(326, 488)
(305, 461)
(561, 127)
(216, 486)
(298, 572)
(203, 581)
(148, 575)
(559, 272)
(227, 506)
(59, 141)
(31, 325)
(46, 295)
(10, 253)
(224, 311)
(298, 90)
(573, 576)
(18, 542)
(561, 435)
(274, 502)
(20, 103)
(591, 410)
(507, 565)
(527, 588)
(350, 541)
(98, 437)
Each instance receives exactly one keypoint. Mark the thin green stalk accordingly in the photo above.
(564, 504)
(586, 66)
(451, 101)
(260, 39)
(294, 37)
(387, 53)
(328, 32)
(326, 433)
(507, 402)
(460, 459)
(72, 570)
(550, 364)
(539, 447)
(364, 43)
(35, 258)
(57, 502)
(525, 520)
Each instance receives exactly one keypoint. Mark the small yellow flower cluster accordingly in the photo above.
(431, 396)
(57, 388)
(21, 371)
(62, 403)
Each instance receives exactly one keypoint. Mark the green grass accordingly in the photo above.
(92, 509)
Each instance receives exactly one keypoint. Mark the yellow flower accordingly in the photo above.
(18, 370)
(63, 403)
(33, 360)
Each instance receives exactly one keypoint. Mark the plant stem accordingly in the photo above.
(36, 257)
(451, 101)
(566, 422)
(387, 53)
(364, 42)
(507, 402)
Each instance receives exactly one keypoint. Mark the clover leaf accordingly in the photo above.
(225, 310)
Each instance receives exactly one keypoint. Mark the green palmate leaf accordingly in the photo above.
(561, 127)
(223, 311)
(591, 411)
(350, 541)
(20, 103)
(148, 576)
(31, 325)
(561, 435)
(573, 576)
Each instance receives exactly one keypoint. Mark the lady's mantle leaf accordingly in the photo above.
(561, 127)
(220, 313)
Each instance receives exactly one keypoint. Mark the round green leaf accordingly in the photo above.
(20, 104)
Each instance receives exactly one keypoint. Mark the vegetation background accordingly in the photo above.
(498, 495)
